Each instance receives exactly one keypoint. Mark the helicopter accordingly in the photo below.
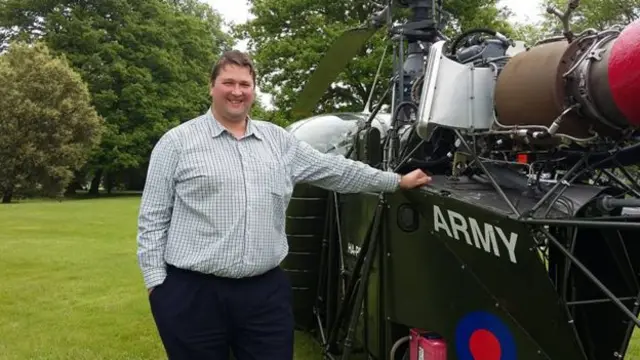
(523, 245)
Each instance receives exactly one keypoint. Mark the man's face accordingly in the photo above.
(232, 93)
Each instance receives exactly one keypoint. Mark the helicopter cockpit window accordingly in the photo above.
(324, 132)
(331, 133)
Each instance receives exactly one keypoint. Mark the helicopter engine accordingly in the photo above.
(573, 93)
(590, 74)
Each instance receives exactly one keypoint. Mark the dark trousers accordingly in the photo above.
(202, 316)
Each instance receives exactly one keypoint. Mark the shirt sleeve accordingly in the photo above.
(155, 212)
(335, 172)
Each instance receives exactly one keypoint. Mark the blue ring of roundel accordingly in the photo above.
(483, 320)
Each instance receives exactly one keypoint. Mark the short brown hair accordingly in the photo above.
(233, 57)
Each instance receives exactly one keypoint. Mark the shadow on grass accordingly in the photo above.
(102, 195)
(78, 196)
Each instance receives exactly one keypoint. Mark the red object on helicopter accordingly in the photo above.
(422, 346)
(624, 72)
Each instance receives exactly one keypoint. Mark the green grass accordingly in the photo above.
(70, 287)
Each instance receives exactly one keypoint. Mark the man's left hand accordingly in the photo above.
(414, 179)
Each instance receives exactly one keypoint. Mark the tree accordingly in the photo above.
(47, 124)
(286, 51)
(597, 14)
(146, 63)
(590, 14)
(260, 112)
(529, 33)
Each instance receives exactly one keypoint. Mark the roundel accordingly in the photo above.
(483, 336)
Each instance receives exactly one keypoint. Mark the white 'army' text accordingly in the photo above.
(455, 224)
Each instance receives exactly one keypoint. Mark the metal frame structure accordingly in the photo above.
(556, 220)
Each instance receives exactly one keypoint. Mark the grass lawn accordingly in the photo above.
(70, 286)
(71, 289)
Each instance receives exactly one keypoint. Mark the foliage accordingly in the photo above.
(597, 14)
(146, 62)
(594, 14)
(468, 14)
(529, 33)
(261, 112)
(47, 122)
(286, 51)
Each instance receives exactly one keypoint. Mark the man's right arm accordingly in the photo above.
(156, 208)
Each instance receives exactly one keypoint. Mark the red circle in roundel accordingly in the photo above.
(484, 345)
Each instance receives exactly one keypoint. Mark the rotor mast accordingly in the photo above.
(419, 33)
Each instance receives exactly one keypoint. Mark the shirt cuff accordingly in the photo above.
(391, 181)
(154, 277)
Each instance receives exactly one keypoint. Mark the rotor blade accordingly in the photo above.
(335, 60)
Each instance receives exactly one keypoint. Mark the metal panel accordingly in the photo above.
(455, 95)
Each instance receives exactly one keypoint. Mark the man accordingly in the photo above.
(211, 223)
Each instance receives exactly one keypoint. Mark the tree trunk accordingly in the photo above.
(72, 188)
(95, 183)
(109, 182)
(75, 184)
(7, 195)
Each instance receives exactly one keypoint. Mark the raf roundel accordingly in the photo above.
(483, 336)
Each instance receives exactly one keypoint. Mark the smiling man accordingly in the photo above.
(211, 227)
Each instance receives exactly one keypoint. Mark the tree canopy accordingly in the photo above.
(47, 124)
(590, 14)
(146, 63)
(596, 14)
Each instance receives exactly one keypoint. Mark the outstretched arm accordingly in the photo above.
(335, 172)
(155, 211)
